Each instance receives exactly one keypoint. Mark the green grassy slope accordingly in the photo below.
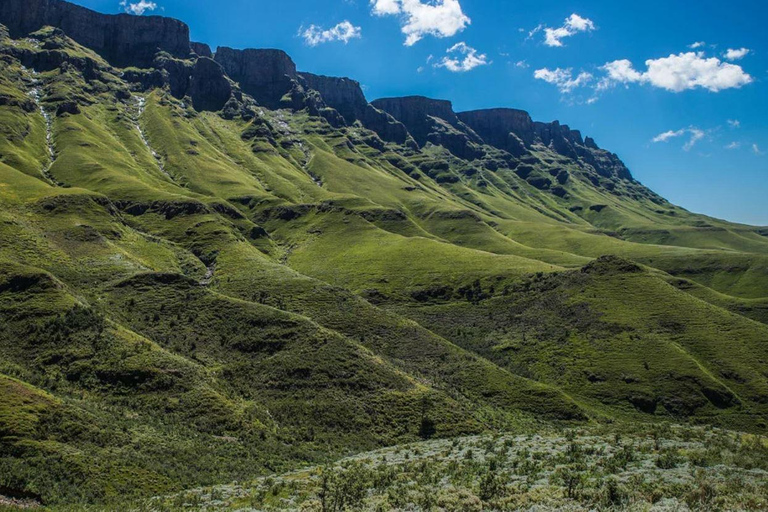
(616, 335)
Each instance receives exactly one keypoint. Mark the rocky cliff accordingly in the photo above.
(515, 132)
(201, 49)
(343, 94)
(267, 75)
(346, 96)
(505, 128)
(209, 88)
(122, 39)
(433, 121)
(418, 113)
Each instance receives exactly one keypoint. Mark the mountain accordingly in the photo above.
(214, 266)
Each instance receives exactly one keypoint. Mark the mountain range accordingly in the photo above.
(214, 266)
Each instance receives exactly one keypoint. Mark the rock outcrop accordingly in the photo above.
(343, 94)
(267, 75)
(201, 50)
(505, 128)
(515, 132)
(346, 96)
(209, 88)
(433, 121)
(123, 40)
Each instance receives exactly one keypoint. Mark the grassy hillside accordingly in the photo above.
(191, 298)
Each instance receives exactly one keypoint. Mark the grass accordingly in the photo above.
(617, 335)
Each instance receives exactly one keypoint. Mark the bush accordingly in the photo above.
(668, 459)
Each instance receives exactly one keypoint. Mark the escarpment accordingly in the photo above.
(346, 96)
(122, 39)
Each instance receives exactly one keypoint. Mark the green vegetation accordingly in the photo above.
(190, 299)
(604, 469)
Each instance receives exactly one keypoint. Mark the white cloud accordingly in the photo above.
(522, 64)
(384, 7)
(439, 18)
(678, 73)
(756, 149)
(563, 78)
(697, 44)
(619, 72)
(572, 26)
(344, 32)
(138, 8)
(535, 31)
(462, 58)
(734, 123)
(736, 54)
(733, 145)
(664, 137)
(695, 136)
(690, 70)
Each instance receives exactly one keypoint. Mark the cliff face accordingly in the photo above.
(433, 121)
(515, 132)
(508, 129)
(346, 96)
(267, 75)
(208, 86)
(417, 113)
(122, 39)
(343, 94)
(201, 50)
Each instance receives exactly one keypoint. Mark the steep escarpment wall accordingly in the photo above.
(267, 75)
(121, 39)
(346, 96)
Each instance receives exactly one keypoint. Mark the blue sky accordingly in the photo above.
(690, 120)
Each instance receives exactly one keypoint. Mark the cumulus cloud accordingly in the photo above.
(734, 123)
(733, 145)
(344, 32)
(439, 18)
(138, 8)
(679, 73)
(697, 44)
(563, 78)
(736, 54)
(384, 7)
(694, 135)
(619, 72)
(573, 25)
(462, 58)
(756, 149)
